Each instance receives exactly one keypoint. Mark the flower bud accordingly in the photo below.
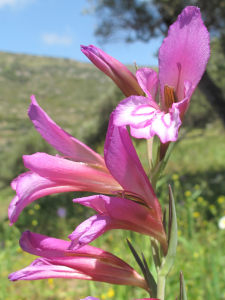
(122, 77)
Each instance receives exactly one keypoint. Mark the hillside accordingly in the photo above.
(68, 91)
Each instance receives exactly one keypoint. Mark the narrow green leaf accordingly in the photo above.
(183, 294)
(150, 279)
(159, 166)
(167, 156)
(137, 258)
(149, 153)
(155, 253)
(162, 180)
(170, 219)
(164, 220)
(168, 261)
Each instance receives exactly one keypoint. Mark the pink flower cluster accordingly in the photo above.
(183, 57)
(125, 198)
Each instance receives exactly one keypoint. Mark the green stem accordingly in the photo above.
(155, 253)
(161, 282)
(149, 153)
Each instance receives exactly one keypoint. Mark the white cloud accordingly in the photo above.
(14, 3)
(55, 39)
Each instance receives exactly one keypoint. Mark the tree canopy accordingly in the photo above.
(134, 20)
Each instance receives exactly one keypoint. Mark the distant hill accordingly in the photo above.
(72, 94)
(69, 91)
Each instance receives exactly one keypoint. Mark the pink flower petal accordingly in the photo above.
(166, 126)
(148, 81)
(59, 139)
(52, 175)
(115, 213)
(90, 230)
(184, 54)
(135, 110)
(142, 132)
(88, 263)
(87, 268)
(125, 166)
(30, 187)
(69, 172)
(183, 105)
(42, 269)
(45, 246)
(122, 77)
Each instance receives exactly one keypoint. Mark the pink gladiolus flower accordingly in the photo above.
(85, 171)
(183, 57)
(138, 210)
(122, 77)
(120, 173)
(88, 263)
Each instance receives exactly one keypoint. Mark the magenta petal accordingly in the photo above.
(41, 245)
(70, 172)
(12, 208)
(51, 175)
(59, 139)
(30, 187)
(186, 51)
(109, 269)
(135, 110)
(166, 126)
(148, 81)
(120, 74)
(115, 213)
(142, 132)
(125, 166)
(90, 230)
(45, 246)
(97, 202)
(42, 269)
(183, 105)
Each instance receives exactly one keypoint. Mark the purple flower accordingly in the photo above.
(61, 212)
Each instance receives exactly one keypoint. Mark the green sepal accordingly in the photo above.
(145, 270)
(137, 258)
(167, 156)
(155, 253)
(159, 166)
(183, 294)
(168, 260)
(150, 279)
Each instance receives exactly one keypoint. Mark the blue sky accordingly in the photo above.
(58, 28)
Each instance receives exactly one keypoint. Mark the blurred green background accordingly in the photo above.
(79, 98)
